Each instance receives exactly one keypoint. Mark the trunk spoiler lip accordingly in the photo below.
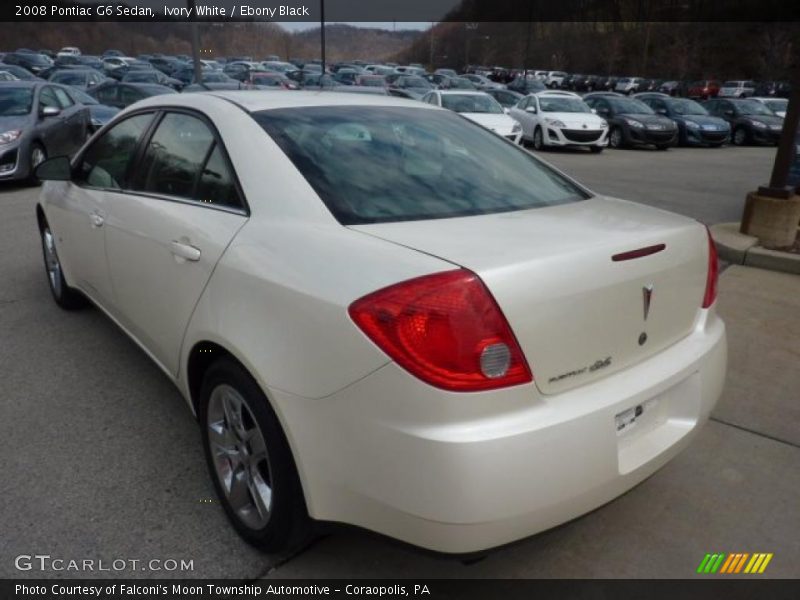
(638, 253)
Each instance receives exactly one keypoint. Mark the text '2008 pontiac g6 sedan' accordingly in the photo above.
(385, 315)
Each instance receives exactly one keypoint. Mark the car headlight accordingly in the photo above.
(554, 122)
(633, 123)
(516, 127)
(10, 136)
(759, 124)
(692, 125)
(603, 124)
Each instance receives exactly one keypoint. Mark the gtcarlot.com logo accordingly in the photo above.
(735, 563)
(45, 562)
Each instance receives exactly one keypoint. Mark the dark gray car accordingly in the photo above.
(37, 120)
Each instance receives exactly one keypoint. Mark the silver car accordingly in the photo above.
(37, 120)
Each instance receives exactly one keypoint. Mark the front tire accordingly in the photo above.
(740, 137)
(249, 460)
(615, 138)
(66, 297)
(538, 139)
(36, 157)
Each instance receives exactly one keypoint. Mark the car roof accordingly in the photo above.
(555, 94)
(461, 92)
(252, 101)
(24, 83)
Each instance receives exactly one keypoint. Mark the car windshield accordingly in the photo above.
(432, 164)
(460, 83)
(568, 105)
(69, 78)
(630, 106)
(15, 102)
(778, 105)
(471, 103)
(371, 81)
(753, 107)
(685, 106)
(414, 82)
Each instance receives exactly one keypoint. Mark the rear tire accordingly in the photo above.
(250, 461)
(66, 297)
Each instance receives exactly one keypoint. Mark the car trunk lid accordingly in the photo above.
(577, 313)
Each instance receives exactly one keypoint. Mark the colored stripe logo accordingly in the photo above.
(737, 562)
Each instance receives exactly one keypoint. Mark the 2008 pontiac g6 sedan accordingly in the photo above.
(385, 315)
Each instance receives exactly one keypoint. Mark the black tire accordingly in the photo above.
(615, 138)
(538, 138)
(596, 149)
(740, 136)
(65, 296)
(36, 156)
(287, 525)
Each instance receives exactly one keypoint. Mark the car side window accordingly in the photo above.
(107, 94)
(63, 98)
(48, 98)
(184, 159)
(129, 95)
(106, 162)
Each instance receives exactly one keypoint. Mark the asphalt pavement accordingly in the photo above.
(101, 458)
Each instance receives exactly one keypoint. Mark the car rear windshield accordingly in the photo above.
(15, 102)
(385, 164)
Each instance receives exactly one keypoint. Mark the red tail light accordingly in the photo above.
(713, 273)
(445, 329)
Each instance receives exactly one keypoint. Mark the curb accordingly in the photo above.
(738, 248)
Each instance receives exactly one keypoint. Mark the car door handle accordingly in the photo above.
(185, 251)
(97, 220)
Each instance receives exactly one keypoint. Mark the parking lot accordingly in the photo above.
(102, 458)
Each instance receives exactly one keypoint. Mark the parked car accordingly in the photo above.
(112, 52)
(778, 89)
(703, 89)
(99, 114)
(78, 78)
(673, 88)
(167, 64)
(482, 82)
(478, 107)
(632, 123)
(121, 95)
(409, 86)
(34, 63)
(37, 120)
(737, 89)
(556, 118)
(506, 98)
(776, 105)
(379, 69)
(69, 51)
(152, 76)
(212, 80)
(241, 70)
(696, 127)
(446, 72)
(607, 84)
(346, 76)
(264, 81)
(650, 85)
(398, 333)
(554, 79)
(751, 121)
(628, 85)
(370, 81)
(20, 73)
(525, 86)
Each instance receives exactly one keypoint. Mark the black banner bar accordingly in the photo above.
(404, 10)
(732, 588)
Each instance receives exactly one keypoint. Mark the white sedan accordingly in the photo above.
(560, 119)
(479, 107)
(385, 315)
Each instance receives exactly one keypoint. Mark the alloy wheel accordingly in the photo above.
(37, 157)
(615, 139)
(538, 142)
(239, 451)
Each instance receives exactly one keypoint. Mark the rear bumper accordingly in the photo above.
(465, 472)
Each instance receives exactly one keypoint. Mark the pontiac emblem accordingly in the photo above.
(647, 294)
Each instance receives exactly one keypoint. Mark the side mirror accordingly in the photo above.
(661, 111)
(728, 113)
(531, 109)
(54, 169)
(50, 111)
(594, 111)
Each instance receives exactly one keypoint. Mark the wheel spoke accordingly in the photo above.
(261, 494)
(232, 406)
(239, 495)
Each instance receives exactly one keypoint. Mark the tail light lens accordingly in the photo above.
(446, 329)
(713, 273)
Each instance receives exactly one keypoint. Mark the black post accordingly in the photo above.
(778, 182)
(198, 70)
(322, 38)
(527, 42)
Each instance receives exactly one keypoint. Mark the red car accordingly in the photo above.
(703, 89)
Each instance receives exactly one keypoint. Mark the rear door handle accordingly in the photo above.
(96, 219)
(185, 251)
